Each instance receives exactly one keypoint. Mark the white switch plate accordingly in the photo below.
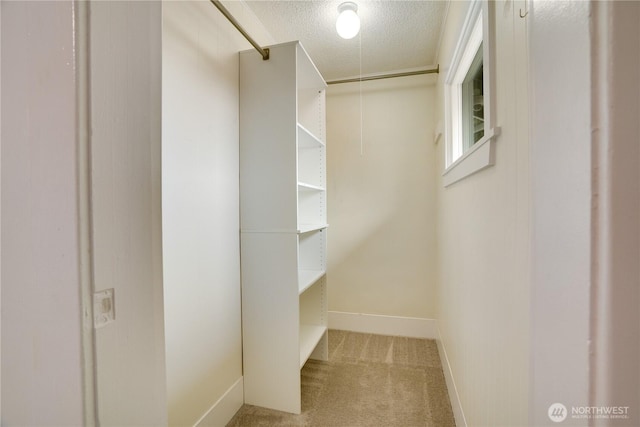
(103, 308)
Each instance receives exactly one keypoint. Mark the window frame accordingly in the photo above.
(477, 32)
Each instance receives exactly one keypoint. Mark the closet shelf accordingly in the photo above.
(306, 139)
(303, 186)
(310, 336)
(308, 228)
(283, 214)
(307, 278)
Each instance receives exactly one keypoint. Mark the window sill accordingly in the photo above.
(477, 158)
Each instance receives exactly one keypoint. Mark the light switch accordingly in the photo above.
(103, 308)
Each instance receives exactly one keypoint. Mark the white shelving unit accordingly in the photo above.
(283, 218)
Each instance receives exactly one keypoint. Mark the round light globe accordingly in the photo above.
(348, 22)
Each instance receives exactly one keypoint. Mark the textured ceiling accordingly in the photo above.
(394, 34)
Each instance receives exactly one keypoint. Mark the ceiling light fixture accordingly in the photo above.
(348, 22)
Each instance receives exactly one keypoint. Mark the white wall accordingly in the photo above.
(483, 235)
(200, 180)
(41, 308)
(561, 207)
(125, 59)
(41, 316)
(381, 197)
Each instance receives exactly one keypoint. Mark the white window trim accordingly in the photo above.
(477, 29)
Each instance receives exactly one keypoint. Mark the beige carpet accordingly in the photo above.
(369, 381)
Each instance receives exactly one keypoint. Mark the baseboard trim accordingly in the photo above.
(225, 408)
(454, 398)
(413, 327)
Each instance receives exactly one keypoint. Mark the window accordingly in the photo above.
(470, 133)
(473, 103)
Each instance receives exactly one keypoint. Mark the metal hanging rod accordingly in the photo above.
(263, 51)
(385, 76)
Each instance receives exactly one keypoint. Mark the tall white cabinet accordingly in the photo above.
(283, 215)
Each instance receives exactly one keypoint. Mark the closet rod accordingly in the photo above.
(263, 51)
(385, 76)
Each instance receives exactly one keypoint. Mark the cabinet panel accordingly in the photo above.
(270, 320)
(268, 119)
